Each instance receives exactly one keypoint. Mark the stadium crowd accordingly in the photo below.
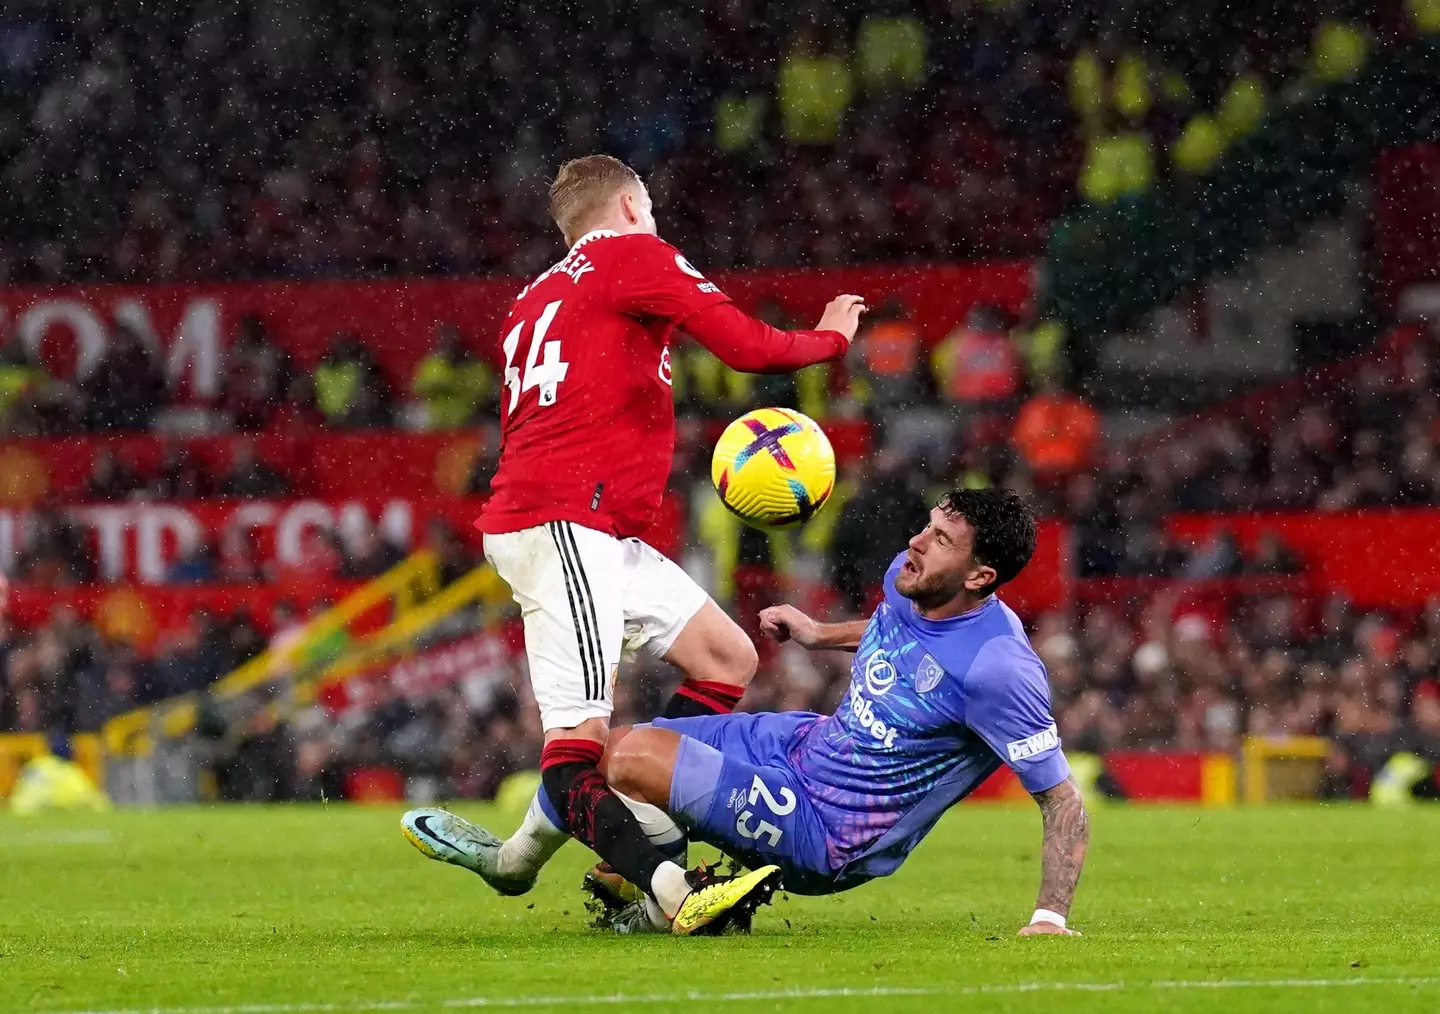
(308, 139)
(979, 409)
(1165, 678)
(218, 144)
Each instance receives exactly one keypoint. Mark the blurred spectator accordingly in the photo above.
(1271, 556)
(864, 543)
(110, 479)
(55, 553)
(112, 686)
(257, 375)
(239, 557)
(456, 559)
(976, 366)
(813, 91)
(349, 388)
(888, 350)
(195, 565)
(1056, 433)
(451, 383)
(250, 477)
(297, 411)
(319, 559)
(125, 389)
(195, 656)
(368, 554)
(181, 476)
(1217, 556)
(27, 392)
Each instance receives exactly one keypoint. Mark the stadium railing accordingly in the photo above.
(411, 581)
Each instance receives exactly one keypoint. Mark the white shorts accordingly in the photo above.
(584, 595)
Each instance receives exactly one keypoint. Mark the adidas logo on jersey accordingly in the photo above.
(864, 712)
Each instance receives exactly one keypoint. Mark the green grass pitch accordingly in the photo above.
(291, 910)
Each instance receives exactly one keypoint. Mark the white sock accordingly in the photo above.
(656, 915)
(670, 888)
(532, 844)
(663, 832)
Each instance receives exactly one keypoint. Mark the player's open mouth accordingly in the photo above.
(909, 567)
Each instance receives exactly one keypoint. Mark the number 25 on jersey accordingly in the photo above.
(546, 373)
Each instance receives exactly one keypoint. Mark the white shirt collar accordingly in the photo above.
(592, 234)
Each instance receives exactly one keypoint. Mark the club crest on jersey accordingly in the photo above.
(928, 675)
(879, 674)
(687, 267)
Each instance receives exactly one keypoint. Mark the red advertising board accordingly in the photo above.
(141, 614)
(138, 542)
(190, 325)
(313, 462)
(1047, 581)
(1380, 559)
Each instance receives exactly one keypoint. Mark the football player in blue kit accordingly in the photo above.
(944, 689)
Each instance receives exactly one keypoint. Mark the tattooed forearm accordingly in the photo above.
(1067, 832)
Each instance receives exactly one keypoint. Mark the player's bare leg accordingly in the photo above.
(641, 766)
(594, 814)
(718, 661)
(641, 763)
(542, 832)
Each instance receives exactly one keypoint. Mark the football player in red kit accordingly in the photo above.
(588, 423)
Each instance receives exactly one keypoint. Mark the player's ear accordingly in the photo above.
(982, 575)
(630, 206)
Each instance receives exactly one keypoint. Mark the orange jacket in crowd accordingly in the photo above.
(1056, 433)
(891, 348)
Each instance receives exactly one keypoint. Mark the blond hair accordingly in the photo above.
(581, 188)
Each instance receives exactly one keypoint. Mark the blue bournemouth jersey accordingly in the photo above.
(934, 708)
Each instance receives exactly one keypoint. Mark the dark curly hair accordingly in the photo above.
(1004, 526)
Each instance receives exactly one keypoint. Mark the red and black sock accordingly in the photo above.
(694, 698)
(570, 774)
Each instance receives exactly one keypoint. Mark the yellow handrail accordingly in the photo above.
(416, 578)
(480, 585)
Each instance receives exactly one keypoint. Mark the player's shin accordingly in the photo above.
(662, 831)
(595, 815)
(540, 836)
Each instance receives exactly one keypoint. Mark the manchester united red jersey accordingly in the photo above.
(587, 414)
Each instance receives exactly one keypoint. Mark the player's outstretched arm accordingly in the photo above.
(786, 623)
(1067, 835)
(749, 345)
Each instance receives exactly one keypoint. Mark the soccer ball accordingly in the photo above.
(773, 467)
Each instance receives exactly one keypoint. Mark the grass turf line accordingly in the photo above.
(1311, 908)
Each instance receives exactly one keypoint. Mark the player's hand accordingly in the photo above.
(1047, 929)
(842, 314)
(786, 623)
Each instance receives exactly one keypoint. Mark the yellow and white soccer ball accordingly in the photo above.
(773, 467)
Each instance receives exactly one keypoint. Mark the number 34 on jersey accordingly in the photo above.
(544, 369)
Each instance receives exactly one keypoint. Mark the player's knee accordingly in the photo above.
(632, 766)
(734, 655)
(742, 660)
